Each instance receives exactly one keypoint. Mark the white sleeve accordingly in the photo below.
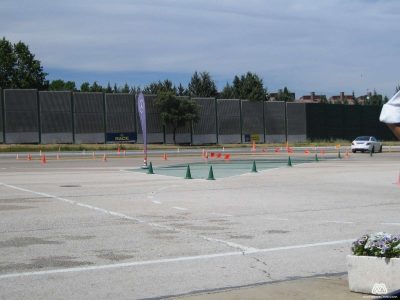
(390, 113)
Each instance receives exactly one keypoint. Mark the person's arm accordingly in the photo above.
(390, 114)
(396, 129)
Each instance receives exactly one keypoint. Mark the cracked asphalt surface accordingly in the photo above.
(83, 228)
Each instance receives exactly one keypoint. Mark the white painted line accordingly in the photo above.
(179, 208)
(156, 202)
(276, 219)
(306, 246)
(233, 245)
(395, 224)
(168, 260)
(123, 216)
(338, 222)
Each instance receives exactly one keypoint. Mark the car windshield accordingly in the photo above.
(362, 138)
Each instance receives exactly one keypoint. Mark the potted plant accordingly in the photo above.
(374, 267)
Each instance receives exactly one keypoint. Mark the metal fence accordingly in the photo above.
(229, 121)
(296, 122)
(205, 131)
(89, 118)
(120, 118)
(253, 121)
(275, 121)
(1, 117)
(56, 117)
(21, 116)
(29, 116)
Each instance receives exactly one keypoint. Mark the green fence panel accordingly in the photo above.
(228, 115)
(252, 121)
(56, 117)
(21, 114)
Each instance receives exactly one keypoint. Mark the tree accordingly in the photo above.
(249, 87)
(160, 87)
(227, 92)
(323, 99)
(135, 90)
(61, 85)
(7, 63)
(285, 95)
(202, 85)
(19, 68)
(375, 99)
(85, 87)
(96, 87)
(108, 89)
(176, 112)
(181, 91)
(125, 89)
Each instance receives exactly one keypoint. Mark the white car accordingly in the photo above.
(366, 143)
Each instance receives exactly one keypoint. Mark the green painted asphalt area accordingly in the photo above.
(223, 169)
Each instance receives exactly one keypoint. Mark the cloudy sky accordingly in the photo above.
(325, 46)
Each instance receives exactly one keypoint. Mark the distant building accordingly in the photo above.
(275, 96)
(312, 98)
(343, 99)
(362, 100)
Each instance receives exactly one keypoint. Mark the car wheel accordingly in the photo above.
(354, 150)
(380, 149)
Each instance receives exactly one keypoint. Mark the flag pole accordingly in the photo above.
(142, 115)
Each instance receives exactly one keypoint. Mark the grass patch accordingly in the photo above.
(110, 147)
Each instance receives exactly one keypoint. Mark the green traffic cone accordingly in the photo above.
(254, 168)
(339, 154)
(150, 171)
(316, 157)
(289, 162)
(211, 174)
(188, 174)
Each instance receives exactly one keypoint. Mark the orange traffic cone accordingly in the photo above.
(29, 157)
(307, 152)
(253, 148)
(165, 156)
(43, 159)
(118, 151)
(105, 158)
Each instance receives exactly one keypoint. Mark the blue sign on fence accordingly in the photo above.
(122, 137)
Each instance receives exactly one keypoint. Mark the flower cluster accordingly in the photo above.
(379, 244)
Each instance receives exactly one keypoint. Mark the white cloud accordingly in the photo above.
(330, 45)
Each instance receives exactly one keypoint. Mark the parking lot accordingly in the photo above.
(78, 227)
